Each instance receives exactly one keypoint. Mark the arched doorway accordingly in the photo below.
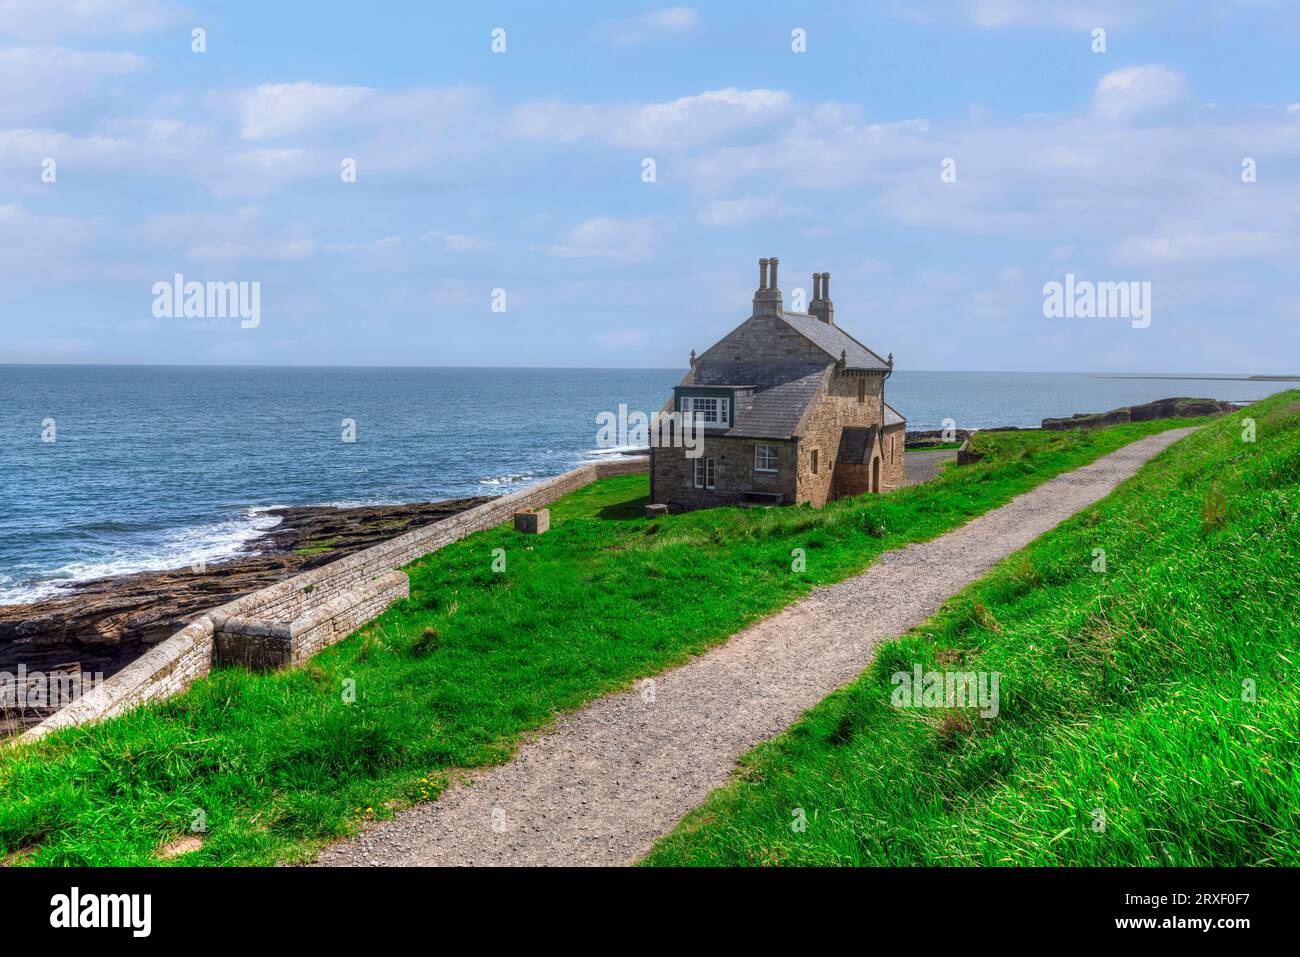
(875, 474)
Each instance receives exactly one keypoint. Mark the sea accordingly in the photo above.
(106, 470)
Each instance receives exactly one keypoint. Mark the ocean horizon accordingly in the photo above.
(157, 467)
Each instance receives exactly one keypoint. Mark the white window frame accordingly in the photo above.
(719, 409)
(773, 454)
(706, 473)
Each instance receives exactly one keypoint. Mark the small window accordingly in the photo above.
(707, 410)
(891, 448)
(814, 461)
(705, 473)
(766, 458)
(862, 391)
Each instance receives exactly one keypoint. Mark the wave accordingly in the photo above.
(616, 450)
(173, 548)
(518, 478)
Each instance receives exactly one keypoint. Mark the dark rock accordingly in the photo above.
(930, 438)
(966, 455)
(1174, 408)
(107, 623)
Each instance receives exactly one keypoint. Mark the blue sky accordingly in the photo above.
(522, 171)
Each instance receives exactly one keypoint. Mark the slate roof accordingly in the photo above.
(781, 394)
(771, 398)
(892, 416)
(855, 443)
(833, 340)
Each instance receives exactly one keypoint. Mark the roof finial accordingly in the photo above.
(890, 360)
(692, 358)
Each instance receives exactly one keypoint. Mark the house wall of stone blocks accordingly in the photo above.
(838, 409)
(361, 580)
(891, 474)
(674, 472)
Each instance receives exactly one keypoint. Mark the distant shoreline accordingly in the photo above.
(1205, 378)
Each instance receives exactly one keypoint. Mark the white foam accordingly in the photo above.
(178, 548)
(515, 479)
(617, 450)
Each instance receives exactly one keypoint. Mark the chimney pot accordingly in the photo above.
(767, 300)
(774, 261)
(826, 285)
(817, 286)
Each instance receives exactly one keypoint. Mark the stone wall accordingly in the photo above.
(735, 475)
(276, 640)
(174, 664)
(837, 409)
(893, 448)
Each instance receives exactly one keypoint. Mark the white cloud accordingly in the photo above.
(1080, 15)
(1136, 91)
(670, 21)
(277, 109)
(52, 248)
(241, 235)
(44, 20)
(1062, 14)
(627, 240)
(456, 242)
(745, 210)
(709, 117)
(1188, 243)
(37, 81)
(621, 339)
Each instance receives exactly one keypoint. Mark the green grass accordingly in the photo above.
(454, 676)
(1124, 691)
(317, 547)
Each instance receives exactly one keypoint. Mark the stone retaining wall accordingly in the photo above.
(172, 665)
(268, 641)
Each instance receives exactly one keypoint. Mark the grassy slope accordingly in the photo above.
(1121, 691)
(452, 677)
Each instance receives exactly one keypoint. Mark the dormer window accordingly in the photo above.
(708, 410)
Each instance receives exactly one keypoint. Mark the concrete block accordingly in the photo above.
(533, 522)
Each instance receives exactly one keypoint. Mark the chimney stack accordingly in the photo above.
(821, 305)
(767, 300)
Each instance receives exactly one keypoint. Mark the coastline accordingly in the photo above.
(105, 623)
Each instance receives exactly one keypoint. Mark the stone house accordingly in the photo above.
(792, 409)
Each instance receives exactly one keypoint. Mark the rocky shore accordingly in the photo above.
(1173, 408)
(104, 624)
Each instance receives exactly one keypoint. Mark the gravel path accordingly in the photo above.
(610, 779)
(921, 465)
